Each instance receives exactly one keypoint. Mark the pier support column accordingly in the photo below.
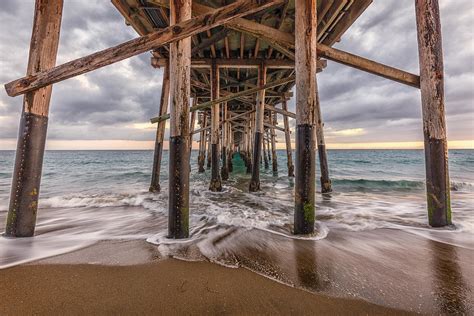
(160, 132)
(306, 88)
(208, 140)
(323, 159)
(191, 128)
(254, 185)
(289, 153)
(264, 148)
(180, 92)
(249, 145)
(268, 146)
(225, 123)
(273, 120)
(202, 144)
(230, 148)
(434, 123)
(21, 219)
(216, 183)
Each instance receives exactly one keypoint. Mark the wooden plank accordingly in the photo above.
(136, 46)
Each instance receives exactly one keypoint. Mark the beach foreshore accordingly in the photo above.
(164, 287)
(382, 271)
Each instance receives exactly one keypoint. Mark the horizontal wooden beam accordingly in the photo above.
(231, 96)
(274, 126)
(238, 63)
(280, 111)
(137, 46)
(286, 41)
(368, 65)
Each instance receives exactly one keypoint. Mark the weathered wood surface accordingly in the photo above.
(160, 133)
(285, 43)
(216, 181)
(254, 184)
(229, 97)
(283, 111)
(273, 119)
(225, 132)
(24, 196)
(306, 89)
(238, 63)
(433, 110)
(136, 46)
(289, 152)
(180, 93)
(326, 186)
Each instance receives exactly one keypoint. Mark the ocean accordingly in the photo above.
(91, 196)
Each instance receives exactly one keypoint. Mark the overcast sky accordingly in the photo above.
(103, 108)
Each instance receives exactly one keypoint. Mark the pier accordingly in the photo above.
(229, 70)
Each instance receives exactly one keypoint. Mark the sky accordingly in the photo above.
(110, 108)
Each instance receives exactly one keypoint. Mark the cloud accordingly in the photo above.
(116, 102)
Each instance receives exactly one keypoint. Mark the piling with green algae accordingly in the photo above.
(433, 110)
(306, 94)
(22, 211)
(180, 91)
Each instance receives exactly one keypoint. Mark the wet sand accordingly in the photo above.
(165, 287)
(376, 272)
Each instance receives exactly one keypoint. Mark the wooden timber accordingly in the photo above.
(136, 46)
(306, 89)
(254, 184)
(434, 122)
(216, 181)
(21, 218)
(289, 154)
(160, 133)
(180, 94)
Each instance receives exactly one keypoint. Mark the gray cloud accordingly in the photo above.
(107, 103)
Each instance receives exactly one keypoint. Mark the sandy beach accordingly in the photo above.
(408, 275)
(164, 287)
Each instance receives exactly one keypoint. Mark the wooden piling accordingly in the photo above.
(254, 185)
(289, 153)
(209, 158)
(21, 218)
(160, 132)
(216, 183)
(269, 153)
(249, 145)
(180, 93)
(264, 148)
(306, 88)
(202, 143)
(225, 166)
(191, 128)
(230, 147)
(326, 186)
(434, 123)
(273, 117)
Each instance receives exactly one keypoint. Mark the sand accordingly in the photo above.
(164, 287)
